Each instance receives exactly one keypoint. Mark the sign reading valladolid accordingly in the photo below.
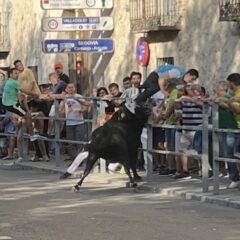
(56, 24)
(78, 45)
(76, 4)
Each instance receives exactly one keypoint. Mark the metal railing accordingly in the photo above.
(4, 31)
(229, 10)
(204, 127)
(147, 15)
(204, 155)
(216, 147)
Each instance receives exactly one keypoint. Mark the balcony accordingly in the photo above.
(229, 10)
(154, 15)
(4, 32)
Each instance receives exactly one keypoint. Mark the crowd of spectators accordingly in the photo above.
(177, 102)
(25, 103)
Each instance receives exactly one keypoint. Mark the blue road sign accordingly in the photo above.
(78, 45)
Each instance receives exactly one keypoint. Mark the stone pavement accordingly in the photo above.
(188, 189)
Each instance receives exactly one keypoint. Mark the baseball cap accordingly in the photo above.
(58, 65)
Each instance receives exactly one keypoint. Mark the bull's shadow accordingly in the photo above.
(117, 141)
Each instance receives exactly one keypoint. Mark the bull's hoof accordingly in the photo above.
(76, 188)
(131, 185)
(137, 178)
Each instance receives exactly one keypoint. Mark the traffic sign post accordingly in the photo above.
(56, 24)
(76, 4)
(142, 52)
(78, 45)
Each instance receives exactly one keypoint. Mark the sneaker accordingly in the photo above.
(183, 175)
(45, 158)
(166, 172)
(192, 152)
(237, 154)
(35, 114)
(157, 168)
(35, 158)
(65, 175)
(7, 158)
(18, 160)
(37, 137)
(26, 135)
(233, 185)
(121, 171)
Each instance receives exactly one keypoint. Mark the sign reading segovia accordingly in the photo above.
(104, 45)
(76, 4)
(56, 24)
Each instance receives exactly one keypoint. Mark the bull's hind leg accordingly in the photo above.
(90, 161)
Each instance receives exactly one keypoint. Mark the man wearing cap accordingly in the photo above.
(59, 70)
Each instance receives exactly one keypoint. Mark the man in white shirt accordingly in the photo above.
(74, 107)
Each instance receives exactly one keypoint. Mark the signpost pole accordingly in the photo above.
(144, 69)
(77, 56)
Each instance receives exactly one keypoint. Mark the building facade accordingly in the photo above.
(186, 32)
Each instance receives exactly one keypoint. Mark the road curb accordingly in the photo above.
(193, 196)
(201, 197)
(26, 166)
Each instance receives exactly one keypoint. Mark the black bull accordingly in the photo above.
(118, 141)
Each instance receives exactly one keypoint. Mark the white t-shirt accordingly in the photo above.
(158, 98)
(73, 112)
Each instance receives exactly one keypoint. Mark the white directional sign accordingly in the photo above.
(76, 4)
(76, 24)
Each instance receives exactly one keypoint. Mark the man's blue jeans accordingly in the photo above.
(227, 142)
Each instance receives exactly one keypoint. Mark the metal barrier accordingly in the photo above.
(205, 141)
(215, 138)
(204, 156)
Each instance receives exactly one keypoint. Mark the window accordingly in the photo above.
(165, 61)
(229, 10)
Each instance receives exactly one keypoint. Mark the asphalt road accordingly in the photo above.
(37, 206)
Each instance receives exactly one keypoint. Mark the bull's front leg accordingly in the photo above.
(136, 177)
(90, 161)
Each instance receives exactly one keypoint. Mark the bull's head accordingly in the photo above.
(144, 110)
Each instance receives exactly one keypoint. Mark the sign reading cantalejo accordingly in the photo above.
(76, 4)
(78, 45)
(56, 24)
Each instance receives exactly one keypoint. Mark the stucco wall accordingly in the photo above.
(26, 37)
(203, 42)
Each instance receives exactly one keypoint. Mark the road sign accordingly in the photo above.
(78, 45)
(142, 52)
(76, 4)
(75, 24)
